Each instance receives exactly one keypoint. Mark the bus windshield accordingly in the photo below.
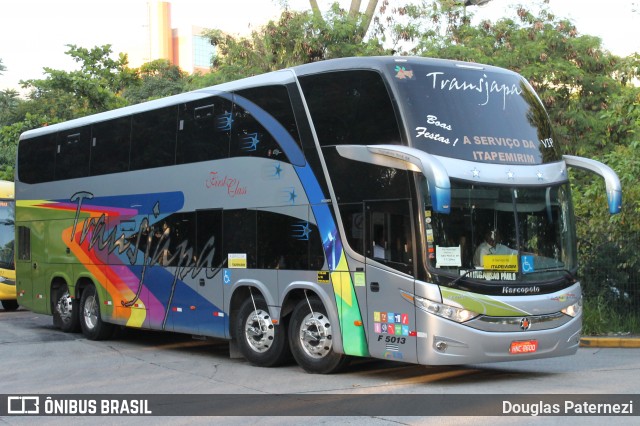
(7, 234)
(502, 233)
(474, 113)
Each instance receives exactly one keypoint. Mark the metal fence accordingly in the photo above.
(610, 276)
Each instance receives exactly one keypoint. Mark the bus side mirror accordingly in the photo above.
(407, 158)
(612, 182)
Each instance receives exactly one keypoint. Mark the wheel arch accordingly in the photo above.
(82, 283)
(241, 290)
(299, 290)
(57, 281)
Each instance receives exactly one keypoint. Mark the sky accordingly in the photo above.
(33, 33)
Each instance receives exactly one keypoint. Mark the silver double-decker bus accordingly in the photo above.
(401, 208)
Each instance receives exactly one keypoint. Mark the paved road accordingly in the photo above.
(36, 358)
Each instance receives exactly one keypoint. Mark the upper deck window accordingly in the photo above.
(474, 114)
(351, 107)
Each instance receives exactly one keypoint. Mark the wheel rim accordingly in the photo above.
(315, 335)
(259, 331)
(90, 312)
(64, 306)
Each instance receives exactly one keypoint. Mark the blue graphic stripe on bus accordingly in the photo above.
(149, 204)
(327, 226)
(184, 297)
(354, 337)
(273, 126)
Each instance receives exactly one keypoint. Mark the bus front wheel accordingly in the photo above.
(311, 338)
(90, 320)
(260, 341)
(65, 310)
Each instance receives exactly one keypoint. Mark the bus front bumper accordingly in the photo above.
(451, 343)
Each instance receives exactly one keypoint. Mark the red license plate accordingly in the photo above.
(523, 347)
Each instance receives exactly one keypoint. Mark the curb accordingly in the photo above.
(610, 342)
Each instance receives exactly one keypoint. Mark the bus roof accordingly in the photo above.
(275, 77)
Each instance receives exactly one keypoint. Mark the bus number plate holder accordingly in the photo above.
(523, 347)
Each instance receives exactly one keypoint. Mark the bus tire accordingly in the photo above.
(310, 337)
(91, 322)
(65, 310)
(10, 305)
(260, 341)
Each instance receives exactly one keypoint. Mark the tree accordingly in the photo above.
(363, 19)
(158, 79)
(9, 135)
(9, 101)
(95, 87)
(296, 38)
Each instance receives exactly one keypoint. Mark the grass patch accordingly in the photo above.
(601, 317)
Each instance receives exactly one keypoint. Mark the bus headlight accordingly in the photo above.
(449, 312)
(573, 310)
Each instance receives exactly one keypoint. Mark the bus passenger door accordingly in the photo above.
(388, 272)
(28, 264)
(210, 280)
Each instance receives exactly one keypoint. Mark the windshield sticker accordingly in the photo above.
(486, 88)
(489, 275)
(448, 256)
(402, 73)
(429, 235)
(501, 262)
(527, 263)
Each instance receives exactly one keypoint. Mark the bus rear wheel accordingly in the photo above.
(260, 341)
(65, 310)
(311, 338)
(10, 305)
(90, 320)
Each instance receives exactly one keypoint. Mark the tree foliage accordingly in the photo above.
(296, 38)
(97, 86)
(157, 79)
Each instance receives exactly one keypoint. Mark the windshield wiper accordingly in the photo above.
(455, 280)
(554, 269)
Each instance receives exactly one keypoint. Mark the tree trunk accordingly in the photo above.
(355, 8)
(315, 8)
(368, 16)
